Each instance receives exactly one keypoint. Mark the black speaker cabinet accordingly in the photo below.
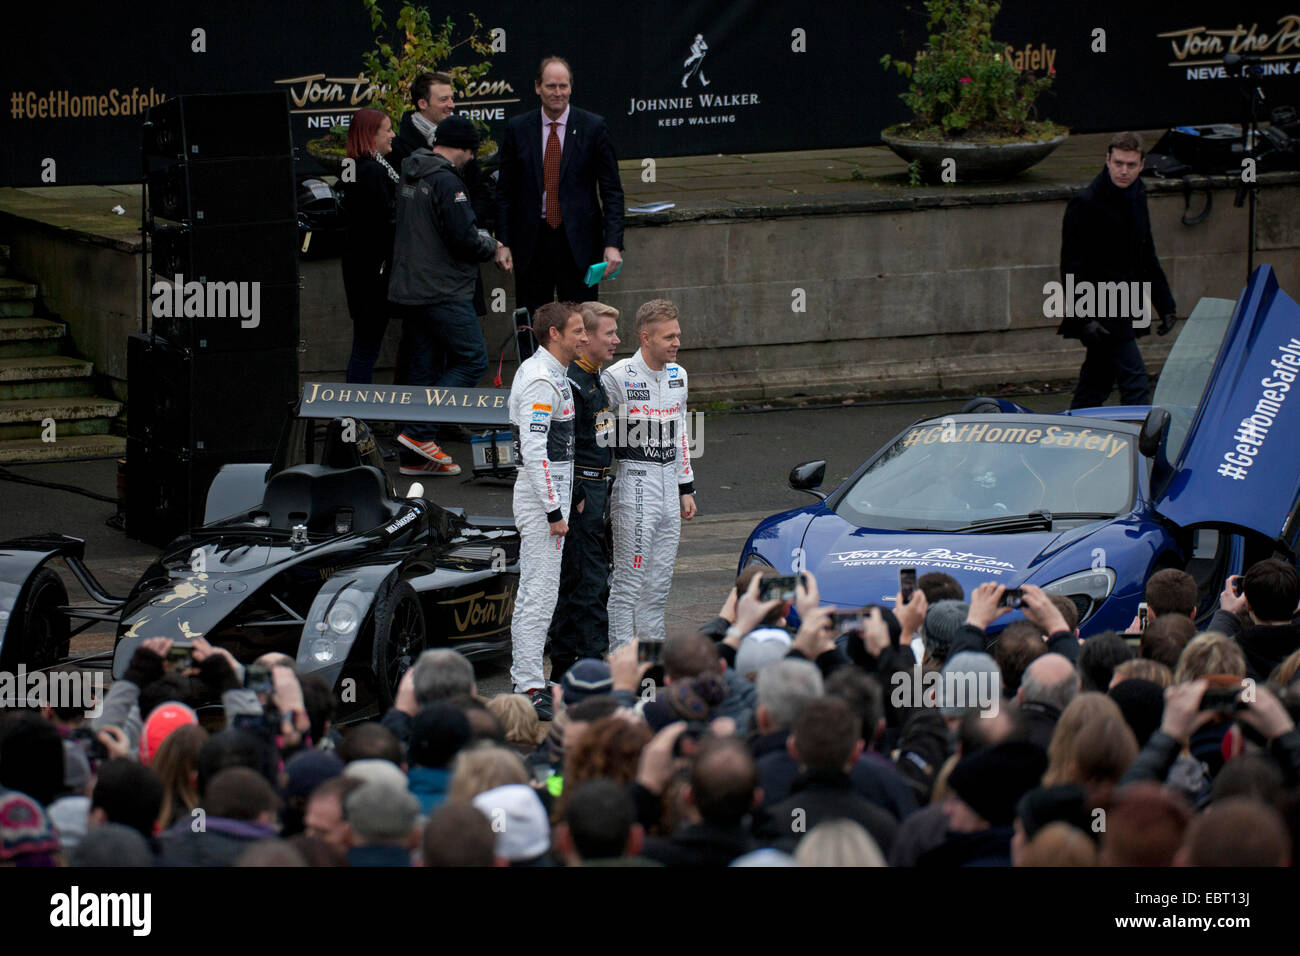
(219, 126)
(217, 192)
(165, 490)
(265, 252)
(276, 316)
(227, 404)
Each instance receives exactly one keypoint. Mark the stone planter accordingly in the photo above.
(333, 162)
(977, 162)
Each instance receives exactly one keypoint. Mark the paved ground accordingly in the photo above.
(741, 477)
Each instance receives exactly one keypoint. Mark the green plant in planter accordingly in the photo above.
(963, 87)
(402, 52)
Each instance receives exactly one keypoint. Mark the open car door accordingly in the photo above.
(1234, 444)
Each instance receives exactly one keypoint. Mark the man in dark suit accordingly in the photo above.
(1106, 239)
(553, 162)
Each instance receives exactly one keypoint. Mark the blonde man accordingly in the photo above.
(654, 486)
(580, 625)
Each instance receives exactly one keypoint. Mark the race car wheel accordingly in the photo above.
(399, 639)
(38, 635)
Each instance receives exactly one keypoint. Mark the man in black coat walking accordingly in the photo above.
(1106, 238)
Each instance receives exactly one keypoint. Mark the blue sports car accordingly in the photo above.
(1088, 503)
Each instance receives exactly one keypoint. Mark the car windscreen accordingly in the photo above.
(1187, 370)
(947, 475)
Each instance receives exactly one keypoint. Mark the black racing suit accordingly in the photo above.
(580, 625)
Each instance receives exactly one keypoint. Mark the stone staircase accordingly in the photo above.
(39, 382)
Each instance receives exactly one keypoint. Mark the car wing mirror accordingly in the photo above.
(808, 477)
(1152, 440)
(1155, 429)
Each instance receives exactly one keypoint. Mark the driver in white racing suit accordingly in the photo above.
(654, 486)
(541, 417)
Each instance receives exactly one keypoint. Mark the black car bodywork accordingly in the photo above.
(313, 555)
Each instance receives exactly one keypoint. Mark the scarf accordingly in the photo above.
(392, 173)
(426, 129)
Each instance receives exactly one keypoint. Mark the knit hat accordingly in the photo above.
(438, 732)
(26, 837)
(162, 720)
(942, 622)
(307, 770)
(767, 645)
(967, 678)
(1061, 804)
(586, 678)
(456, 132)
(992, 781)
(519, 820)
(1142, 702)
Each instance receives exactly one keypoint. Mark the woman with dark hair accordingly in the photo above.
(370, 209)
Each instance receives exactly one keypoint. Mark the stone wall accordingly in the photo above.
(909, 297)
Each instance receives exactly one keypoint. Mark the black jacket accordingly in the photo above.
(873, 779)
(589, 402)
(587, 165)
(439, 244)
(991, 847)
(1267, 646)
(220, 843)
(817, 797)
(1106, 237)
(477, 175)
(700, 845)
(370, 212)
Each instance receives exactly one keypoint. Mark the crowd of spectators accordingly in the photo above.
(911, 736)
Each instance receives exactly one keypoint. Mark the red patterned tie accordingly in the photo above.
(551, 178)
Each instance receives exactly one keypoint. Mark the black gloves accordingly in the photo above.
(1166, 324)
(216, 672)
(145, 667)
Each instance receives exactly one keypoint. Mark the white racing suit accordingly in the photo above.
(652, 470)
(541, 417)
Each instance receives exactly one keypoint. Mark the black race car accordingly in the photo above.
(314, 555)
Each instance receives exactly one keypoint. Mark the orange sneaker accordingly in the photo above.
(429, 449)
(429, 468)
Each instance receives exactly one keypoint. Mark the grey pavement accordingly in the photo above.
(741, 476)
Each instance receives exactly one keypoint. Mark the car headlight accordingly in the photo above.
(343, 618)
(323, 650)
(754, 558)
(1087, 589)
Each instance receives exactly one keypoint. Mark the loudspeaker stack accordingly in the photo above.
(209, 382)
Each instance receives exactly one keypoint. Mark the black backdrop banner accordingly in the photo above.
(672, 78)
